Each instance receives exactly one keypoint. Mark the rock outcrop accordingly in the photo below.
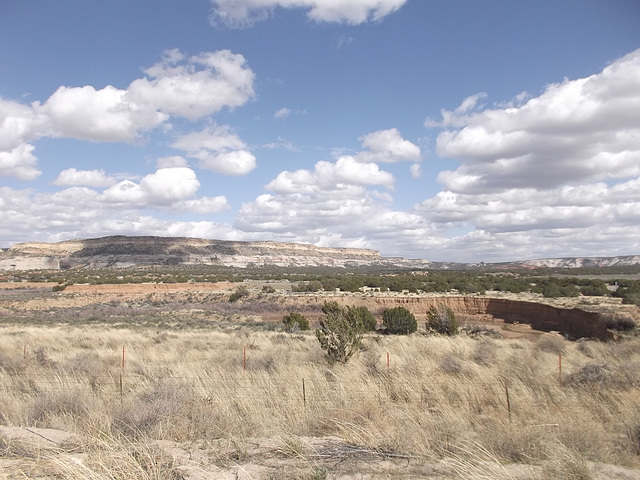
(574, 323)
(123, 251)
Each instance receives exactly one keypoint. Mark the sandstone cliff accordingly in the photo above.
(574, 322)
(122, 251)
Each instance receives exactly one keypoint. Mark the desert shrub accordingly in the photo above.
(476, 330)
(451, 365)
(268, 289)
(239, 293)
(399, 321)
(591, 374)
(366, 317)
(485, 352)
(619, 322)
(551, 342)
(340, 333)
(294, 322)
(442, 320)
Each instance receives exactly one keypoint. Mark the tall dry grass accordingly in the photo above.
(437, 398)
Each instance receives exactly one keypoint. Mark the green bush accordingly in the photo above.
(399, 321)
(294, 322)
(340, 333)
(239, 293)
(442, 320)
(369, 322)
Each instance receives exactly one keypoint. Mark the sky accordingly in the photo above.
(446, 130)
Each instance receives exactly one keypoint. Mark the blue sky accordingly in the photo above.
(445, 130)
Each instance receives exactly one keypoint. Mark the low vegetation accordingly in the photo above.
(294, 322)
(340, 333)
(399, 321)
(419, 398)
(442, 320)
(137, 379)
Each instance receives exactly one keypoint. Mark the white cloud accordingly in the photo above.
(284, 112)
(217, 148)
(204, 205)
(200, 86)
(171, 161)
(415, 170)
(163, 188)
(125, 192)
(328, 176)
(19, 163)
(387, 146)
(168, 185)
(579, 130)
(241, 13)
(190, 87)
(237, 162)
(19, 124)
(80, 212)
(88, 178)
(105, 115)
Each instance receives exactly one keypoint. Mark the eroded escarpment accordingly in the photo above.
(574, 322)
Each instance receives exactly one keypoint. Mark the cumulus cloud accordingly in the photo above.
(105, 115)
(88, 178)
(167, 185)
(188, 87)
(387, 146)
(163, 188)
(327, 176)
(81, 212)
(194, 87)
(19, 124)
(552, 175)
(19, 163)
(242, 13)
(219, 149)
(578, 130)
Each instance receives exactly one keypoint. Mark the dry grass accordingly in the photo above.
(439, 399)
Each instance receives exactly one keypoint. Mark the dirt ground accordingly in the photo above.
(52, 454)
(23, 296)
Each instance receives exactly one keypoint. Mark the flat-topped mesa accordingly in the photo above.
(309, 250)
(120, 251)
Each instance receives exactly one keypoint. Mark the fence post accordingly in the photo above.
(304, 394)
(560, 369)
(506, 389)
(123, 358)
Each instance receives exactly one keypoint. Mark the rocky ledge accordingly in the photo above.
(124, 251)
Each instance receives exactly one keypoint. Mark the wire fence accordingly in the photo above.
(319, 388)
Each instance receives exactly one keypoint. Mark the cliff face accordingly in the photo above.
(575, 323)
(121, 251)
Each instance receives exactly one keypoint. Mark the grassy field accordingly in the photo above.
(238, 402)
